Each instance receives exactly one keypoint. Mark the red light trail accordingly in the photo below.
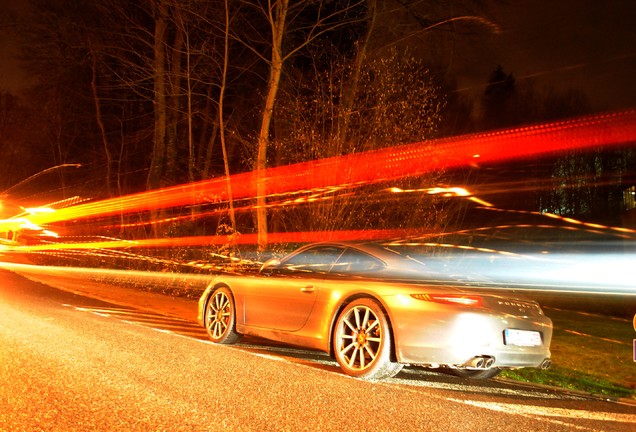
(615, 129)
(331, 178)
(319, 180)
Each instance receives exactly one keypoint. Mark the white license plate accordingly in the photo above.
(526, 338)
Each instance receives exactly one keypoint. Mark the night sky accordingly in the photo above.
(578, 44)
(586, 44)
(11, 78)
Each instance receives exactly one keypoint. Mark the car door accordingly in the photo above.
(284, 299)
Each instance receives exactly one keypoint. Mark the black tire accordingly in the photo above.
(476, 374)
(220, 317)
(362, 341)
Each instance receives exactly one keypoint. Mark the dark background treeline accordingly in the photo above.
(153, 93)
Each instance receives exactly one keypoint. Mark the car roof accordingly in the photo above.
(391, 258)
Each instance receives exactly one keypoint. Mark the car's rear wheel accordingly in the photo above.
(362, 341)
(220, 317)
(476, 374)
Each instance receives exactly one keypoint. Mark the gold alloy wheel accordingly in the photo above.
(360, 338)
(220, 317)
(362, 341)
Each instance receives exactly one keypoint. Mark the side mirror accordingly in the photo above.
(270, 267)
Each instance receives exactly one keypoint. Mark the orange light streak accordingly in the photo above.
(612, 129)
(575, 221)
(446, 192)
(316, 195)
(281, 237)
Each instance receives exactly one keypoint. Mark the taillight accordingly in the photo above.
(450, 299)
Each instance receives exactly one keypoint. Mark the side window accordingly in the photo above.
(352, 261)
(314, 260)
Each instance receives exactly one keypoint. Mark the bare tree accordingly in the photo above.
(159, 80)
(290, 31)
(277, 14)
(226, 163)
(351, 89)
(395, 102)
(99, 118)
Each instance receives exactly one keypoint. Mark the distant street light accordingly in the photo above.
(7, 191)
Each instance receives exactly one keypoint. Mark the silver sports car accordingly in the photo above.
(375, 310)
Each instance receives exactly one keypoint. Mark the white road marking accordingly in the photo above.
(271, 357)
(207, 342)
(523, 414)
(597, 337)
(551, 412)
(417, 378)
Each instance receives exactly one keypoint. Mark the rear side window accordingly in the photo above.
(353, 261)
(314, 260)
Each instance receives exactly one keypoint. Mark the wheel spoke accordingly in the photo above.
(347, 348)
(365, 320)
(220, 327)
(374, 324)
(362, 358)
(352, 359)
(356, 314)
(348, 324)
(372, 353)
(211, 316)
(215, 329)
(221, 301)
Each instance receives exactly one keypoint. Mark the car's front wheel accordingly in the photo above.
(220, 317)
(362, 341)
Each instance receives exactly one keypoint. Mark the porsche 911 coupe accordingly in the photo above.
(375, 309)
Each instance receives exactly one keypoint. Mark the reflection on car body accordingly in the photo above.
(376, 310)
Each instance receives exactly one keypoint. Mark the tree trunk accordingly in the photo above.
(191, 156)
(157, 164)
(207, 162)
(277, 23)
(172, 132)
(226, 163)
(349, 93)
(206, 137)
(100, 123)
(183, 40)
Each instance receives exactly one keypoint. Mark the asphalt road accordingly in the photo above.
(69, 362)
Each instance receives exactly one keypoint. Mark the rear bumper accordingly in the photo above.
(453, 337)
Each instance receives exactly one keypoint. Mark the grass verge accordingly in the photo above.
(590, 353)
(572, 380)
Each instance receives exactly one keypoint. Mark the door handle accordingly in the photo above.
(308, 289)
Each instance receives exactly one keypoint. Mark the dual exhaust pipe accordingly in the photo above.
(486, 362)
(480, 362)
